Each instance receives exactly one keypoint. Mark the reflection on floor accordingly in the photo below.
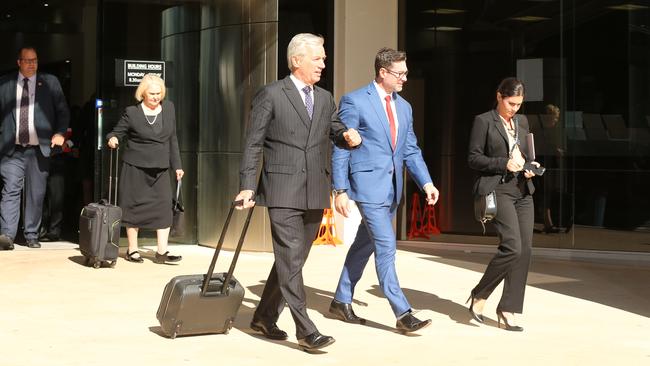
(579, 237)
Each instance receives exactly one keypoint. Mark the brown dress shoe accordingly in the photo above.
(33, 243)
(409, 323)
(344, 312)
(6, 243)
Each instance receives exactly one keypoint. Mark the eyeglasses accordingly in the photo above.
(29, 60)
(399, 75)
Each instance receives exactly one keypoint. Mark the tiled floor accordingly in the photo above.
(55, 311)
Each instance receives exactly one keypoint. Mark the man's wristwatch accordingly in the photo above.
(339, 191)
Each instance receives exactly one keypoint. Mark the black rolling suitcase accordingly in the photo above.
(191, 304)
(99, 226)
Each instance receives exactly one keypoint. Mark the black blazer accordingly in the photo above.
(145, 148)
(295, 153)
(488, 150)
(51, 114)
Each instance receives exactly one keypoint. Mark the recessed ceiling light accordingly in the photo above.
(627, 7)
(529, 18)
(444, 11)
(46, 4)
(444, 29)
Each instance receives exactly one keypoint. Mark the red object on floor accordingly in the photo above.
(429, 224)
(415, 230)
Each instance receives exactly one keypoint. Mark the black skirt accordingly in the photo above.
(145, 197)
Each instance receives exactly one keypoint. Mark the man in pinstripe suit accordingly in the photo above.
(291, 124)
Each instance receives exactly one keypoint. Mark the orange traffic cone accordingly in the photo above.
(327, 230)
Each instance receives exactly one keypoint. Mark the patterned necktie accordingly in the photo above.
(391, 121)
(309, 103)
(23, 129)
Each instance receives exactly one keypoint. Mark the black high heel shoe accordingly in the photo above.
(513, 328)
(130, 257)
(478, 317)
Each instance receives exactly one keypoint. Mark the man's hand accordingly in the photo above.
(352, 137)
(247, 196)
(432, 193)
(179, 174)
(113, 142)
(57, 140)
(342, 204)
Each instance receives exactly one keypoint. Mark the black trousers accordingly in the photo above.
(55, 197)
(293, 233)
(514, 225)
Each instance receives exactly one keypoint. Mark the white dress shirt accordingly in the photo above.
(299, 84)
(382, 95)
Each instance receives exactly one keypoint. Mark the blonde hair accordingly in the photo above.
(146, 82)
(299, 43)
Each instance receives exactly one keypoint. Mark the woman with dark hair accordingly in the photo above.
(497, 149)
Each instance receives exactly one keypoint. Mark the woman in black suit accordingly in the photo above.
(497, 152)
(152, 148)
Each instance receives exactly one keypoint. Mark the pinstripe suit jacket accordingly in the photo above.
(294, 152)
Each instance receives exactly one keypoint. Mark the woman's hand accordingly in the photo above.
(528, 173)
(113, 142)
(179, 174)
(516, 163)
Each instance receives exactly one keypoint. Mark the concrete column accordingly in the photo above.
(362, 27)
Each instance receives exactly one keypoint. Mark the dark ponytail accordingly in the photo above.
(511, 87)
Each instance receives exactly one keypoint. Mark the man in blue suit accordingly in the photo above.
(372, 177)
(34, 117)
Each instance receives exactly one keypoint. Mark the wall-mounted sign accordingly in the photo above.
(130, 72)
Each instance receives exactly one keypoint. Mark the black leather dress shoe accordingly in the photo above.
(50, 236)
(6, 243)
(409, 323)
(315, 341)
(33, 243)
(344, 312)
(270, 331)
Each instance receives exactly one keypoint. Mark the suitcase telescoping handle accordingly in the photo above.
(226, 281)
(110, 174)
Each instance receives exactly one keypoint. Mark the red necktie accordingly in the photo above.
(391, 122)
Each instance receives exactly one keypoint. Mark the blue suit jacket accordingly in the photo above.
(51, 114)
(367, 172)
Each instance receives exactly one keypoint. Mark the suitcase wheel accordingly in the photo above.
(228, 326)
(97, 264)
(113, 263)
(177, 328)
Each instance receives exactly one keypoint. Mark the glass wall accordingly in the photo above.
(586, 67)
(217, 53)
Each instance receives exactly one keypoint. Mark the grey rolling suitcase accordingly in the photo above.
(99, 226)
(192, 305)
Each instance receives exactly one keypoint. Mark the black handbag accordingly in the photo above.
(485, 207)
(178, 221)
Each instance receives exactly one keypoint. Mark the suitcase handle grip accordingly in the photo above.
(226, 281)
